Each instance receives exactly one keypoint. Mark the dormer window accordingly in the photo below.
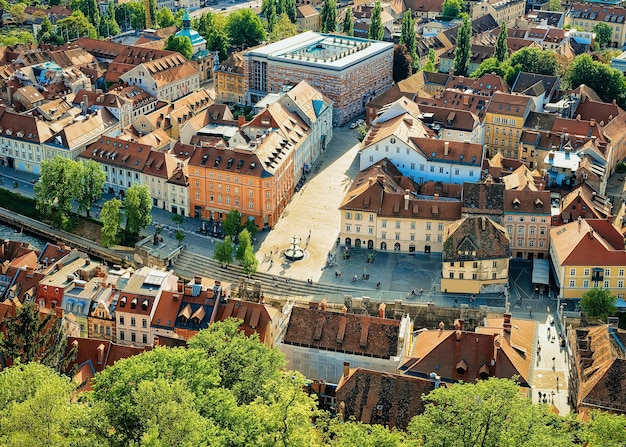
(144, 305)
(123, 302)
(133, 304)
(516, 203)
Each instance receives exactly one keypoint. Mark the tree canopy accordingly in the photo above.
(348, 22)
(604, 33)
(598, 303)
(138, 206)
(245, 28)
(111, 217)
(463, 49)
(407, 36)
(501, 49)
(329, 16)
(181, 44)
(402, 63)
(376, 31)
(451, 9)
(607, 82)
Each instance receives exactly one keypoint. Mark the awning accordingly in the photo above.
(541, 272)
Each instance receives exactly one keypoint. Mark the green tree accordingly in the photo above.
(407, 36)
(90, 180)
(451, 9)
(491, 65)
(75, 26)
(181, 44)
(90, 10)
(598, 303)
(180, 236)
(245, 253)
(108, 25)
(224, 251)
(272, 16)
(402, 63)
(138, 206)
(35, 337)
(350, 434)
(39, 408)
(47, 35)
(218, 41)
(430, 65)
(250, 225)
(329, 16)
(532, 60)
(16, 36)
(376, 31)
(501, 49)
(604, 33)
(490, 413)
(245, 29)
(232, 223)
(283, 29)
(607, 82)
(554, 5)
(111, 217)
(348, 22)
(290, 10)
(605, 430)
(56, 187)
(17, 12)
(178, 220)
(244, 365)
(152, 5)
(164, 18)
(463, 48)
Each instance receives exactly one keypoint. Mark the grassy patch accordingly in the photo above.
(19, 204)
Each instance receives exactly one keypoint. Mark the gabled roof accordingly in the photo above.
(363, 392)
(599, 359)
(509, 104)
(382, 189)
(486, 197)
(583, 201)
(526, 83)
(489, 352)
(24, 127)
(450, 151)
(256, 317)
(527, 201)
(588, 242)
(117, 152)
(488, 240)
(351, 333)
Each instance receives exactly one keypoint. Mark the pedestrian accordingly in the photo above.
(456, 301)
(421, 291)
(271, 263)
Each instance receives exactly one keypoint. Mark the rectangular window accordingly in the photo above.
(607, 272)
(532, 231)
(620, 272)
(461, 275)
(462, 264)
(494, 264)
(348, 215)
(456, 172)
(440, 226)
(475, 265)
(397, 236)
(586, 272)
(451, 275)
(494, 276)
(572, 272)
(620, 283)
(348, 228)
(471, 173)
(371, 218)
(412, 236)
(413, 228)
(133, 337)
(606, 283)
(384, 224)
(474, 276)
(383, 235)
(397, 224)
(357, 216)
(132, 321)
(428, 238)
(572, 283)
(122, 335)
(144, 322)
(144, 339)
(370, 230)
(358, 228)
(586, 283)
(428, 224)
(122, 320)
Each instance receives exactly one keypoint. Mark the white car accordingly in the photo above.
(353, 125)
(359, 121)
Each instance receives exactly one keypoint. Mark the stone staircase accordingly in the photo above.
(190, 264)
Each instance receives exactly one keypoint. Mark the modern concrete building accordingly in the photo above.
(348, 70)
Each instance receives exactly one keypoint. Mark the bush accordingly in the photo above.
(620, 168)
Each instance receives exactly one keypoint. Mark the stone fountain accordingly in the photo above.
(294, 252)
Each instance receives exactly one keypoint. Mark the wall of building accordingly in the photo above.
(483, 276)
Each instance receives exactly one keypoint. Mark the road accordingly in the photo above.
(227, 7)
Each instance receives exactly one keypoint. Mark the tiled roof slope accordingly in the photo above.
(349, 333)
(480, 236)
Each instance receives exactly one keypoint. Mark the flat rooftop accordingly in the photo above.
(328, 51)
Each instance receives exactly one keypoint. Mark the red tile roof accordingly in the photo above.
(588, 242)
(117, 152)
(363, 392)
(350, 333)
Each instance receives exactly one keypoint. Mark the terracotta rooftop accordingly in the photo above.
(382, 189)
(508, 104)
(485, 197)
(256, 317)
(475, 238)
(459, 355)
(599, 359)
(117, 152)
(582, 201)
(349, 333)
(527, 201)
(374, 397)
(588, 242)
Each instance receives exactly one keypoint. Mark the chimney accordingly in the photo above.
(407, 196)
(483, 223)
(436, 197)
(441, 325)
(85, 103)
(446, 148)
(591, 233)
(346, 369)
(592, 122)
(506, 325)
(436, 379)
(101, 354)
(344, 310)
(241, 120)
(580, 222)
(370, 181)
(381, 310)
(323, 304)
(459, 324)
(180, 286)
(197, 279)
(10, 94)
(541, 186)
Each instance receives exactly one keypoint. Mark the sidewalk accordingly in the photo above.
(551, 375)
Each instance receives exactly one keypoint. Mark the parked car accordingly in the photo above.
(353, 125)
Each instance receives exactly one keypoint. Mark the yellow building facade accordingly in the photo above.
(504, 120)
